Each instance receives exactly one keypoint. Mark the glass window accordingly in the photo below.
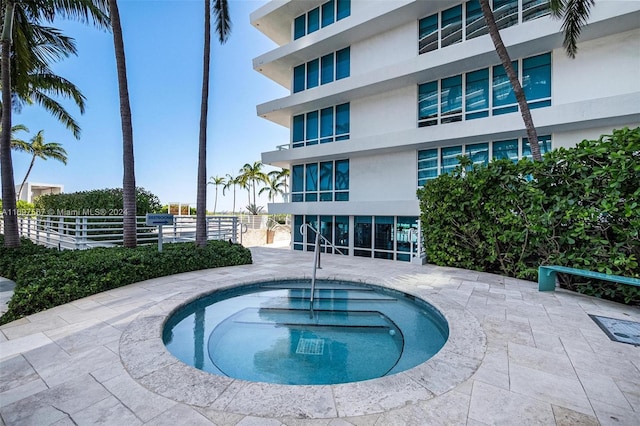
(298, 131)
(406, 234)
(312, 128)
(451, 99)
(313, 73)
(532, 9)
(477, 94)
(478, 153)
(326, 230)
(328, 13)
(427, 165)
(342, 175)
(536, 80)
(343, 63)
(298, 220)
(448, 158)
(383, 233)
(311, 181)
(505, 13)
(342, 122)
(428, 34)
(543, 141)
(313, 20)
(362, 234)
(506, 149)
(297, 183)
(344, 9)
(326, 69)
(504, 100)
(475, 24)
(298, 78)
(342, 232)
(428, 104)
(326, 125)
(311, 236)
(326, 181)
(299, 29)
(451, 26)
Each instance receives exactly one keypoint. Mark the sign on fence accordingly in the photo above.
(159, 220)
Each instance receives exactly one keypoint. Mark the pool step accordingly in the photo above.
(321, 318)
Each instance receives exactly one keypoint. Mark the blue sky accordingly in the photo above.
(163, 47)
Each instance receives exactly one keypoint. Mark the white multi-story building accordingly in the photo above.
(386, 93)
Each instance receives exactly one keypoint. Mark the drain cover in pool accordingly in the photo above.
(619, 330)
(310, 347)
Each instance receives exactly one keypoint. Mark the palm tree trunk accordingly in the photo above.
(501, 50)
(9, 208)
(129, 179)
(234, 200)
(201, 202)
(215, 201)
(33, 161)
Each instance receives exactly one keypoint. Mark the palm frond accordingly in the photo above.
(223, 19)
(54, 108)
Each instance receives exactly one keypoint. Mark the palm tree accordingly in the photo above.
(231, 182)
(574, 14)
(217, 181)
(501, 50)
(129, 231)
(33, 58)
(282, 176)
(38, 148)
(17, 144)
(223, 28)
(251, 175)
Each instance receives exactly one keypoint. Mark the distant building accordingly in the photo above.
(385, 94)
(32, 190)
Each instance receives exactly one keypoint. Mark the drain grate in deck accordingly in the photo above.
(619, 330)
(310, 347)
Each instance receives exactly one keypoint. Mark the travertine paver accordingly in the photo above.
(536, 358)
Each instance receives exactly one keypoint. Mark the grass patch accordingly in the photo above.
(47, 277)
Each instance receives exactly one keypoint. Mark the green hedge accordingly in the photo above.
(98, 202)
(579, 207)
(46, 277)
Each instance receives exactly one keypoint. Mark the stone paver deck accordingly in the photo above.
(516, 356)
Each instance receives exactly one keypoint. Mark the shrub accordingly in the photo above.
(99, 202)
(579, 207)
(46, 278)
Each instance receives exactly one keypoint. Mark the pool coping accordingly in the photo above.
(147, 360)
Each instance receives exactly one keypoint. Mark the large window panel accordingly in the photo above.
(477, 94)
(344, 9)
(451, 26)
(328, 13)
(326, 230)
(532, 9)
(297, 183)
(478, 153)
(428, 34)
(475, 24)
(451, 99)
(342, 180)
(342, 122)
(506, 150)
(313, 73)
(428, 104)
(326, 125)
(313, 20)
(383, 233)
(343, 63)
(326, 181)
(312, 221)
(536, 80)
(298, 131)
(504, 99)
(362, 238)
(505, 13)
(299, 77)
(299, 27)
(448, 158)
(298, 239)
(543, 141)
(342, 232)
(427, 165)
(312, 128)
(326, 66)
(311, 182)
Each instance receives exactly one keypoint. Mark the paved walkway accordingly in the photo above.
(526, 358)
(6, 291)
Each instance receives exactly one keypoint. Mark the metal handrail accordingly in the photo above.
(316, 261)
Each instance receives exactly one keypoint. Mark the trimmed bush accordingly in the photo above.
(46, 278)
(99, 202)
(579, 207)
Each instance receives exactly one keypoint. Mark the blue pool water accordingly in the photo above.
(264, 332)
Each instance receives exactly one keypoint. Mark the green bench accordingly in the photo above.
(547, 276)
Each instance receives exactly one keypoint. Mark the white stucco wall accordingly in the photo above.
(571, 139)
(385, 49)
(603, 67)
(383, 177)
(385, 113)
